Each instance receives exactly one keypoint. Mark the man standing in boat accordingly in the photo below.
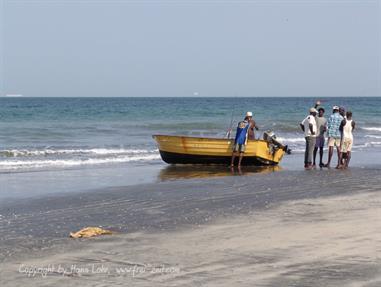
(245, 131)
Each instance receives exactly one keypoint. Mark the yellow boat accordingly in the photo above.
(197, 150)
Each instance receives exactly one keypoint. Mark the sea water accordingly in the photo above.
(58, 133)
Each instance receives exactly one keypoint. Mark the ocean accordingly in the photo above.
(58, 133)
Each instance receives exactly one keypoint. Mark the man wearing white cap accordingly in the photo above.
(334, 135)
(308, 126)
(245, 131)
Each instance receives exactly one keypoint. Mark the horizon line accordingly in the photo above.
(195, 97)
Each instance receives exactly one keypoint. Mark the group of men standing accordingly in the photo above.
(339, 128)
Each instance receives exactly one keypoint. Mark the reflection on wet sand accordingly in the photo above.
(174, 172)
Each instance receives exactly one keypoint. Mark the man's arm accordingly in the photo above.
(254, 125)
(353, 125)
(302, 126)
(342, 124)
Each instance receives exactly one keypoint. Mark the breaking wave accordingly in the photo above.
(58, 152)
(26, 159)
(378, 129)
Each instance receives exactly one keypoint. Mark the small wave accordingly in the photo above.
(297, 150)
(33, 164)
(378, 129)
(367, 145)
(291, 140)
(355, 147)
(94, 151)
(373, 144)
(373, 136)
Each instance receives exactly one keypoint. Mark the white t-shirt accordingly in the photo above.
(306, 123)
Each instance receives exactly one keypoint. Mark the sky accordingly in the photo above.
(116, 48)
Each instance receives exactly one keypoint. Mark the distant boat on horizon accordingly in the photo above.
(14, 96)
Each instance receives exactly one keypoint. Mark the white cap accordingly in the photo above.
(249, 114)
(313, 110)
(335, 108)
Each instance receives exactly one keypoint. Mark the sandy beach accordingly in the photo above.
(287, 228)
(125, 117)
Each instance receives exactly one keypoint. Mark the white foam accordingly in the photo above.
(31, 164)
(378, 129)
(367, 145)
(95, 151)
(373, 144)
(297, 150)
(290, 140)
(373, 136)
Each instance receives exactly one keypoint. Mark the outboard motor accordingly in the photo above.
(275, 144)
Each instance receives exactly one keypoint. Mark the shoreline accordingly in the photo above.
(48, 183)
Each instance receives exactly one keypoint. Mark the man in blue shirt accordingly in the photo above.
(245, 131)
(334, 135)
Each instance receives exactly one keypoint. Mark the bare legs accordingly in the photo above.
(233, 158)
(320, 155)
(239, 159)
(330, 154)
(348, 159)
(339, 157)
(345, 159)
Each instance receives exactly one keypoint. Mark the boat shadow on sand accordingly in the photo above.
(175, 172)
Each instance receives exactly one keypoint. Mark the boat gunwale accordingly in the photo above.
(205, 138)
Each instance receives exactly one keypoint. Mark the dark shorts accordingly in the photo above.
(320, 142)
(239, 148)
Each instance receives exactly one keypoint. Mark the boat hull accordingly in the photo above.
(178, 158)
(196, 150)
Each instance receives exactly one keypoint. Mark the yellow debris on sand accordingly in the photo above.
(89, 232)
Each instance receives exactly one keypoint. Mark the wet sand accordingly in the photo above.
(288, 228)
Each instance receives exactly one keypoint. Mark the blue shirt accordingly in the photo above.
(241, 135)
(334, 123)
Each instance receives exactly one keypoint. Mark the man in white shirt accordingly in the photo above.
(308, 126)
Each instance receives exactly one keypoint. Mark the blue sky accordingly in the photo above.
(191, 48)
